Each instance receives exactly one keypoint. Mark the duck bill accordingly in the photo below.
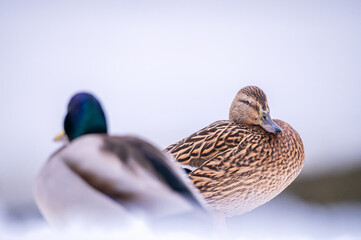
(60, 136)
(269, 125)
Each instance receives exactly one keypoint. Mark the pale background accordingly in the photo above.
(164, 69)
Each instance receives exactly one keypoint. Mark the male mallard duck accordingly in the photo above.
(241, 163)
(103, 179)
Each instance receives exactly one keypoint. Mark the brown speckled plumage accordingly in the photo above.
(241, 166)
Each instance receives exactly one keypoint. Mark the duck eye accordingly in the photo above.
(245, 101)
(264, 117)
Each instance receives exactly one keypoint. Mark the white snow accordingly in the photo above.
(284, 218)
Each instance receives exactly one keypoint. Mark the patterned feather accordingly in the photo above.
(241, 166)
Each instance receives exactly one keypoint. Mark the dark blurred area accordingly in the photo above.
(331, 187)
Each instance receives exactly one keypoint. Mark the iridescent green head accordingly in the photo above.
(85, 115)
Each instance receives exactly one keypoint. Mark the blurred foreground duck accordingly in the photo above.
(242, 163)
(101, 179)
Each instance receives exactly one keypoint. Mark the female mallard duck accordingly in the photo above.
(103, 179)
(241, 163)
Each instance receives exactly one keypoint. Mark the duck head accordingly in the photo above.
(85, 115)
(250, 107)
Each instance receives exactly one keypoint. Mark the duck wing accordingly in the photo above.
(134, 173)
(262, 162)
(156, 163)
(205, 144)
